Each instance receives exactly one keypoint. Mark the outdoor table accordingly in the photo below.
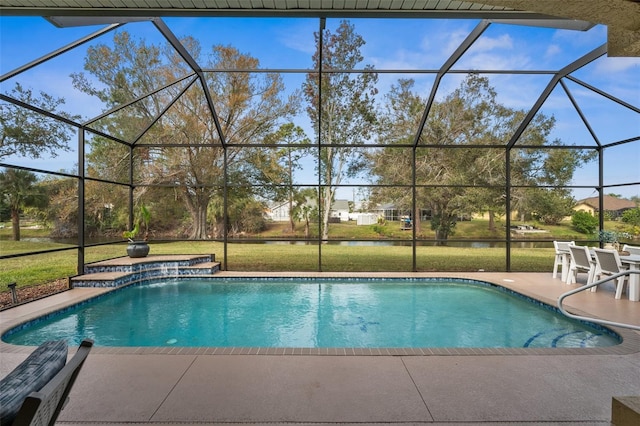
(634, 279)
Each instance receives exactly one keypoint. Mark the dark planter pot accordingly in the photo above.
(138, 249)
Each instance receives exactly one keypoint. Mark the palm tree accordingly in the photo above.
(18, 191)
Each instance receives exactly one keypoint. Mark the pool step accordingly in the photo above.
(125, 270)
(556, 337)
(625, 411)
(201, 269)
(129, 264)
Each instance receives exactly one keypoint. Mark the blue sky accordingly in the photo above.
(391, 44)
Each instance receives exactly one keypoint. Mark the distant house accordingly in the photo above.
(389, 212)
(340, 209)
(278, 212)
(613, 206)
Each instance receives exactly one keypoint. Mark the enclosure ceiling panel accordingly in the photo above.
(622, 17)
(258, 4)
(254, 6)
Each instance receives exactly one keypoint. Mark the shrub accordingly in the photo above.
(608, 236)
(584, 222)
(379, 229)
(632, 216)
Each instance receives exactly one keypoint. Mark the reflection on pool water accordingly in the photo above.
(316, 313)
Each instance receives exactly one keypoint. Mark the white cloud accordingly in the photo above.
(485, 44)
(453, 40)
(429, 51)
(553, 50)
(403, 59)
(57, 83)
(615, 65)
(572, 38)
(299, 37)
(494, 61)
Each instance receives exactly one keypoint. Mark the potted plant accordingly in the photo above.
(609, 239)
(139, 248)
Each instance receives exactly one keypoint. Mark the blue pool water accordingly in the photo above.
(313, 313)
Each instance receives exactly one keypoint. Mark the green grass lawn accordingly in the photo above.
(41, 268)
(476, 229)
(45, 267)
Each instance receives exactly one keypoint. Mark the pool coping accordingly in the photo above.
(630, 340)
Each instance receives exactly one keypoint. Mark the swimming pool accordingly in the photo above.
(313, 313)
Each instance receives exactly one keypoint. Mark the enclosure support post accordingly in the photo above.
(321, 28)
(600, 192)
(416, 212)
(14, 295)
(225, 202)
(507, 205)
(81, 201)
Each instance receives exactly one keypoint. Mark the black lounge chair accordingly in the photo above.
(42, 407)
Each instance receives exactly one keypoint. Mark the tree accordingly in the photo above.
(297, 147)
(632, 216)
(249, 106)
(5, 210)
(399, 119)
(584, 222)
(305, 210)
(62, 210)
(28, 133)
(446, 172)
(127, 69)
(552, 205)
(453, 180)
(344, 114)
(547, 171)
(19, 190)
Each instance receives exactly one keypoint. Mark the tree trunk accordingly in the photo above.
(444, 222)
(15, 224)
(326, 211)
(417, 221)
(292, 223)
(200, 222)
(217, 230)
(197, 205)
(492, 222)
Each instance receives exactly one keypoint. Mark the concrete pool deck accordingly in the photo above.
(200, 386)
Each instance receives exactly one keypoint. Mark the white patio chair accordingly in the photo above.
(608, 263)
(562, 253)
(633, 250)
(581, 261)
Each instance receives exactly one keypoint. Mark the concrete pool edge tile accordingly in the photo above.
(11, 318)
